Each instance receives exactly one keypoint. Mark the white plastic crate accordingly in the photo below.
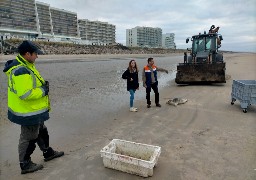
(131, 157)
(245, 92)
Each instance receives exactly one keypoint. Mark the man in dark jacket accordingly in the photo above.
(149, 78)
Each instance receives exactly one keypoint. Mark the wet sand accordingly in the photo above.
(206, 138)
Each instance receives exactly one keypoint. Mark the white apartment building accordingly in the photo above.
(99, 33)
(168, 41)
(56, 23)
(18, 18)
(32, 19)
(44, 20)
(64, 23)
(144, 37)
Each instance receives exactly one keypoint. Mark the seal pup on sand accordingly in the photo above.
(176, 101)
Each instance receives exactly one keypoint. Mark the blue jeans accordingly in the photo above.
(132, 91)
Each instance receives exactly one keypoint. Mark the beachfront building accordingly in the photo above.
(18, 18)
(144, 37)
(97, 32)
(168, 41)
(64, 23)
(44, 21)
(30, 19)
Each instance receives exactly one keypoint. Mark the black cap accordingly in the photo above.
(28, 46)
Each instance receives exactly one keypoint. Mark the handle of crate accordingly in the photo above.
(110, 148)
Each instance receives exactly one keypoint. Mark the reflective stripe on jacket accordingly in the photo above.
(27, 102)
(147, 72)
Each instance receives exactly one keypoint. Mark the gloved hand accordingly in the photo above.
(144, 85)
(46, 87)
(47, 84)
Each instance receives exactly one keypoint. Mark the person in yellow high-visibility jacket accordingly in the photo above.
(29, 106)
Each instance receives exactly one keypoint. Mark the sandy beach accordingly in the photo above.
(206, 138)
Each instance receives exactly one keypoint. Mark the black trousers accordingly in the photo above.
(29, 136)
(155, 89)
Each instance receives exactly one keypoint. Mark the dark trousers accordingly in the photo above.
(155, 89)
(30, 135)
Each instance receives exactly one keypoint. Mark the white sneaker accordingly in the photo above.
(132, 109)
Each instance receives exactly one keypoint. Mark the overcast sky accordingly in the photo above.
(236, 18)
